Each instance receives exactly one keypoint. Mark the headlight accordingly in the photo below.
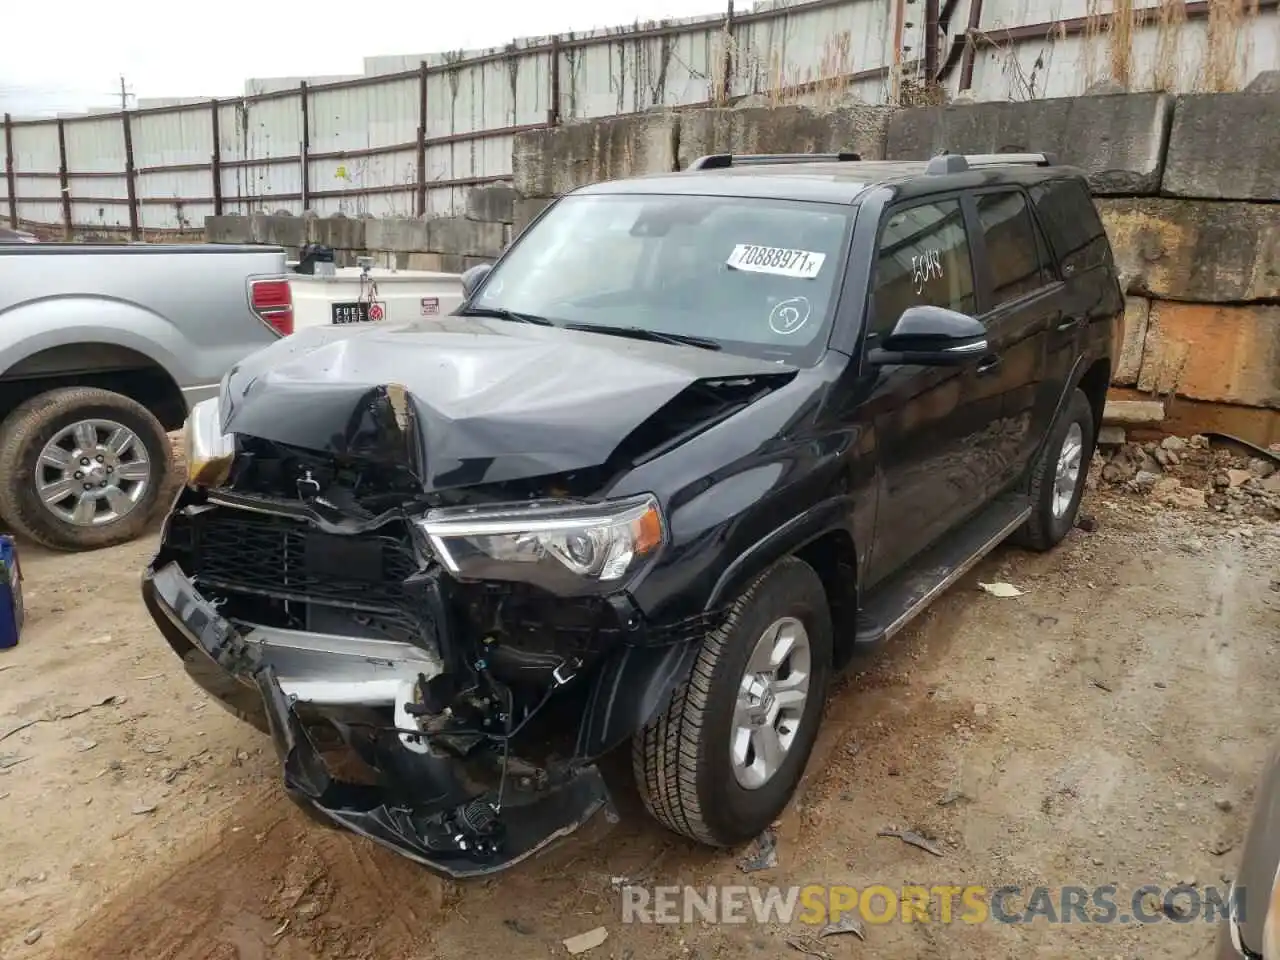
(209, 451)
(566, 548)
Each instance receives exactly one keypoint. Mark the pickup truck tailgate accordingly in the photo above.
(382, 294)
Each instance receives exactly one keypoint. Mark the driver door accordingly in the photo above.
(926, 419)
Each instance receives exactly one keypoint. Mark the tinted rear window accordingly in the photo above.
(1012, 246)
(1066, 210)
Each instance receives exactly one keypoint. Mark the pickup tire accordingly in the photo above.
(683, 760)
(1053, 506)
(30, 427)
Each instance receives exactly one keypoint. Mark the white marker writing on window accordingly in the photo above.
(925, 267)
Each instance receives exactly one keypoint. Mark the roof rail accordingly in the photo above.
(960, 162)
(719, 161)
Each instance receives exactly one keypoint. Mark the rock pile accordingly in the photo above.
(1191, 473)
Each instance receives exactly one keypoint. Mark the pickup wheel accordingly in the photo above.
(725, 757)
(81, 468)
(1058, 475)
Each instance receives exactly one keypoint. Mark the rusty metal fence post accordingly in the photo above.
(726, 79)
(10, 179)
(305, 156)
(420, 204)
(553, 111)
(130, 176)
(64, 184)
(215, 163)
(931, 29)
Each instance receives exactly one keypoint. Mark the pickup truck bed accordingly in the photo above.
(103, 348)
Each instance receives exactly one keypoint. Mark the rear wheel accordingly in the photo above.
(724, 759)
(81, 468)
(1058, 475)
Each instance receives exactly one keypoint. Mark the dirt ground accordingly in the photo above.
(1104, 727)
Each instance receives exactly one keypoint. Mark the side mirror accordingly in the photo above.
(932, 336)
(471, 279)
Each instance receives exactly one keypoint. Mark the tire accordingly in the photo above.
(48, 416)
(682, 759)
(1046, 527)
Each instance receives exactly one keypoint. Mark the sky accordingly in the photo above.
(78, 51)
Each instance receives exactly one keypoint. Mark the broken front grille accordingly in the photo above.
(285, 559)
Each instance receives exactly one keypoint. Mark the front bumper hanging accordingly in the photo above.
(422, 806)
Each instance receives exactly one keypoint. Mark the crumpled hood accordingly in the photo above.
(464, 400)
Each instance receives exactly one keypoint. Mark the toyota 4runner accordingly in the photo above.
(693, 442)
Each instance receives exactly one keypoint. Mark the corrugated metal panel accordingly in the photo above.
(446, 201)
(35, 150)
(97, 188)
(178, 137)
(231, 134)
(1012, 13)
(271, 128)
(262, 188)
(31, 211)
(1176, 57)
(875, 90)
(533, 88)
(259, 130)
(95, 212)
(95, 146)
(398, 170)
(370, 115)
(626, 75)
(178, 215)
(808, 46)
(466, 99)
(395, 202)
(489, 157)
(255, 86)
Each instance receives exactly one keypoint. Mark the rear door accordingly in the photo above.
(1021, 303)
(1091, 296)
(923, 417)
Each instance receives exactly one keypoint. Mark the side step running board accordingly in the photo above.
(896, 602)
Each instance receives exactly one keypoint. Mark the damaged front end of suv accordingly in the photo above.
(406, 554)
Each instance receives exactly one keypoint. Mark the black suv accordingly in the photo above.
(694, 441)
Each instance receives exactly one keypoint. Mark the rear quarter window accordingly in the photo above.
(1065, 209)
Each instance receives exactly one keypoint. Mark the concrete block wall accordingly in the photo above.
(445, 244)
(549, 163)
(1189, 191)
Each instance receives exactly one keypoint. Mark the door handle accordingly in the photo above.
(1068, 324)
(989, 364)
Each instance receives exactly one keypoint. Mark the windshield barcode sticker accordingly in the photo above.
(802, 264)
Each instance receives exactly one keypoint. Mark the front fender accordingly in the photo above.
(634, 686)
(38, 325)
(834, 513)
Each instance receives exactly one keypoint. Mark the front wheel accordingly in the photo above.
(81, 468)
(724, 759)
(1058, 476)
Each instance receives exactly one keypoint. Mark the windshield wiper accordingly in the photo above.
(641, 333)
(504, 314)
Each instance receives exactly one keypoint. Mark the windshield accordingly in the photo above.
(758, 277)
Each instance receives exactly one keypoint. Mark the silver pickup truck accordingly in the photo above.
(102, 350)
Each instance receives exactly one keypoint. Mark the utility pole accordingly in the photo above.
(124, 94)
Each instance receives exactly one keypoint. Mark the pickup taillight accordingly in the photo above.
(272, 302)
